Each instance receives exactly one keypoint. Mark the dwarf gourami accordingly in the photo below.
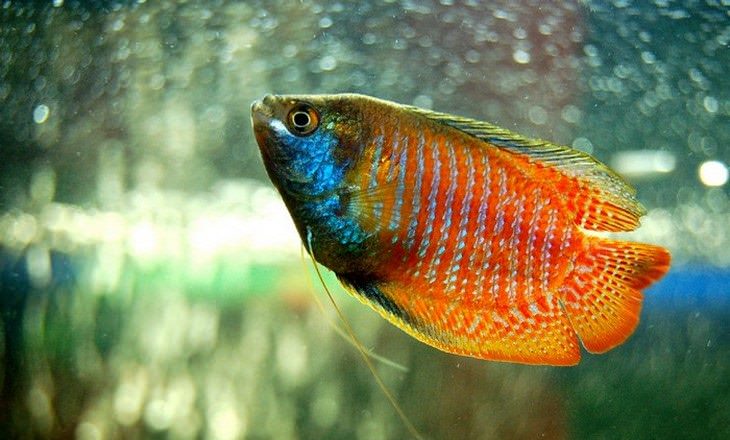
(468, 237)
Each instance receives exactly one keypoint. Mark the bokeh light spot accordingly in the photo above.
(40, 114)
(713, 173)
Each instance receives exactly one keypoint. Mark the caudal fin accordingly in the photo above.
(603, 295)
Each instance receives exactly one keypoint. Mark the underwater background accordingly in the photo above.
(151, 283)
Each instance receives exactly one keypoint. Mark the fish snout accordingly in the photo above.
(262, 111)
(256, 106)
(266, 105)
(269, 99)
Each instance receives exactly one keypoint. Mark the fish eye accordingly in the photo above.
(302, 120)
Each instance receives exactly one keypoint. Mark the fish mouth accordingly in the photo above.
(262, 112)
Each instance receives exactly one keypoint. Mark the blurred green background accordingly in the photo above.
(151, 284)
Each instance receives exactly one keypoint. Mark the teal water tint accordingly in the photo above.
(150, 283)
(652, 389)
(692, 287)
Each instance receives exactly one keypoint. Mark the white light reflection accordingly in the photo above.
(143, 240)
(643, 163)
(713, 173)
(237, 221)
(40, 114)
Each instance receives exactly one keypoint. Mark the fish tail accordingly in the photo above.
(602, 296)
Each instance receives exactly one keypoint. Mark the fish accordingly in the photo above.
(470, 238)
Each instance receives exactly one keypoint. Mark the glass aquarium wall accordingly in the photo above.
(152, 283)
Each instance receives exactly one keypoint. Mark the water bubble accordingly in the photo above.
(289, 51)
(552, 50)
(648, 57)
(571, 114)
(576, 36)
(537, 115)
(472, 56)
(40, 114)
(118, 25)
(447, 86)
(505, 15)
(369, 38)
(583, 144)
(325, 22)
(327, 63)
(521, 56)
(425, 41)
(711, 104)
(545, 29)
(423, 101)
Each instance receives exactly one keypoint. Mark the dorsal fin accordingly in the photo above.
(605, 202)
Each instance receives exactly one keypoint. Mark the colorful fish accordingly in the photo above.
(468, 237)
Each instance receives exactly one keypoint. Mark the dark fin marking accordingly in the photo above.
(367, 291)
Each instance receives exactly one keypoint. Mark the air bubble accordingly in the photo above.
(40, 114)
(521, 56)
(328, 63)
(711, 104)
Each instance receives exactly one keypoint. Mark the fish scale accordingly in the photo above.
(439, 260)
(437, 240)
(415, 205)
(468, 237)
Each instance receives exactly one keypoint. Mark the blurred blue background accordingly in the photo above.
(150, 278)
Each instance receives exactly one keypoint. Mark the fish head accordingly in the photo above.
(307, 142)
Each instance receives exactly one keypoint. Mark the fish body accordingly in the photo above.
(468, 237)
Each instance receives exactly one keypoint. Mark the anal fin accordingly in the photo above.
(530, 335)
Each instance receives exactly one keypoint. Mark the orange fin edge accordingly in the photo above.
(483, 334)
(602, 297)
